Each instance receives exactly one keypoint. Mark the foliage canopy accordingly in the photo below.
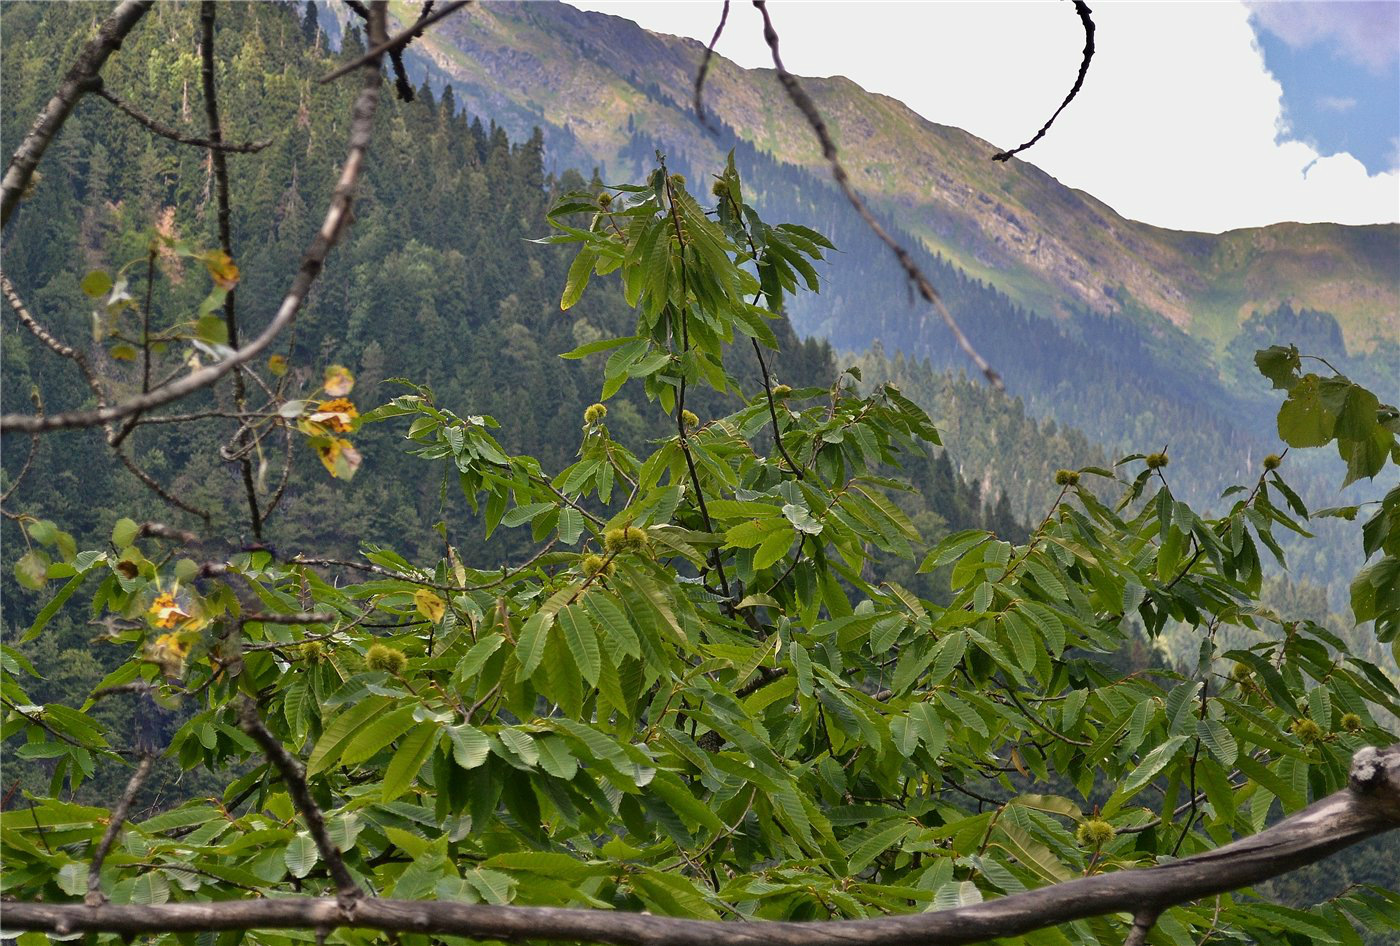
(696, 698)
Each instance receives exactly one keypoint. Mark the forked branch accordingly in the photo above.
(82, 77)
(336, 219)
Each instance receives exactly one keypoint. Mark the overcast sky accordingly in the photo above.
(1195, 115)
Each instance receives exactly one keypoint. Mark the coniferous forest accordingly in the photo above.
(757, 605)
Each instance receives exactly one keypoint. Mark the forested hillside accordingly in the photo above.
(1158, 326)
(438, 282)
(406, 530)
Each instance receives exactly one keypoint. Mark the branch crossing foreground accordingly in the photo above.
(1370, 805)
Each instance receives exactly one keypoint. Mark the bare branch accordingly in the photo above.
(336, 219)
(28, 458)
(294, 777)
(220, 167)
(154, 485)
(39, 331)
(1369, 806)
(95, 896)
(773, 412)
(401, 83)
(1142, 925)
(398, 42)
(160, 530)
(82, 77)
(306, 617)
(165, 131)
(281, 489)
(804, 103)
(78, 358)
(703, 72)
(1086, 18)
(137, 686)
(506, 574)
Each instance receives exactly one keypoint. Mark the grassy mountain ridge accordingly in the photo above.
(590, 79)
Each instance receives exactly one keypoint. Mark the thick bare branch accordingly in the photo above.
(82, 77)
(804, 103)
(1369, 806)
(336, 219)
(1142, 925)
(1086, 18)
(36, 329)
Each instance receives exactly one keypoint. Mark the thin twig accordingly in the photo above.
(1086, 18)
(95, 896)
(277, 494)
(399, 41)
(804, 103)
(136, 686)
(682, 434)
(165, 131)
(773, 412)
(28, 461)
(160, 530)
(704, 70)
(401, 83)
(425, 582)
(155, 486)
(221, 191)
(305, 617)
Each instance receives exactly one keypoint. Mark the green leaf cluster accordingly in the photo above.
(697, 697)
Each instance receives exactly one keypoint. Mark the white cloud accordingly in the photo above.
(1176, 126)
(1364, 33)
(1336, 103)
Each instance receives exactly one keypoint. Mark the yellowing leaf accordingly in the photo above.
(222, 269)
(336, 414)
(165, 612)
(339, 457)
(338, 381)
(277, 365)
(429, 605)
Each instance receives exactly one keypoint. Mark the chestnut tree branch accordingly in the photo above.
(1370, 805)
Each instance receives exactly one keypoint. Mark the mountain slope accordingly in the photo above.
(591, 81)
